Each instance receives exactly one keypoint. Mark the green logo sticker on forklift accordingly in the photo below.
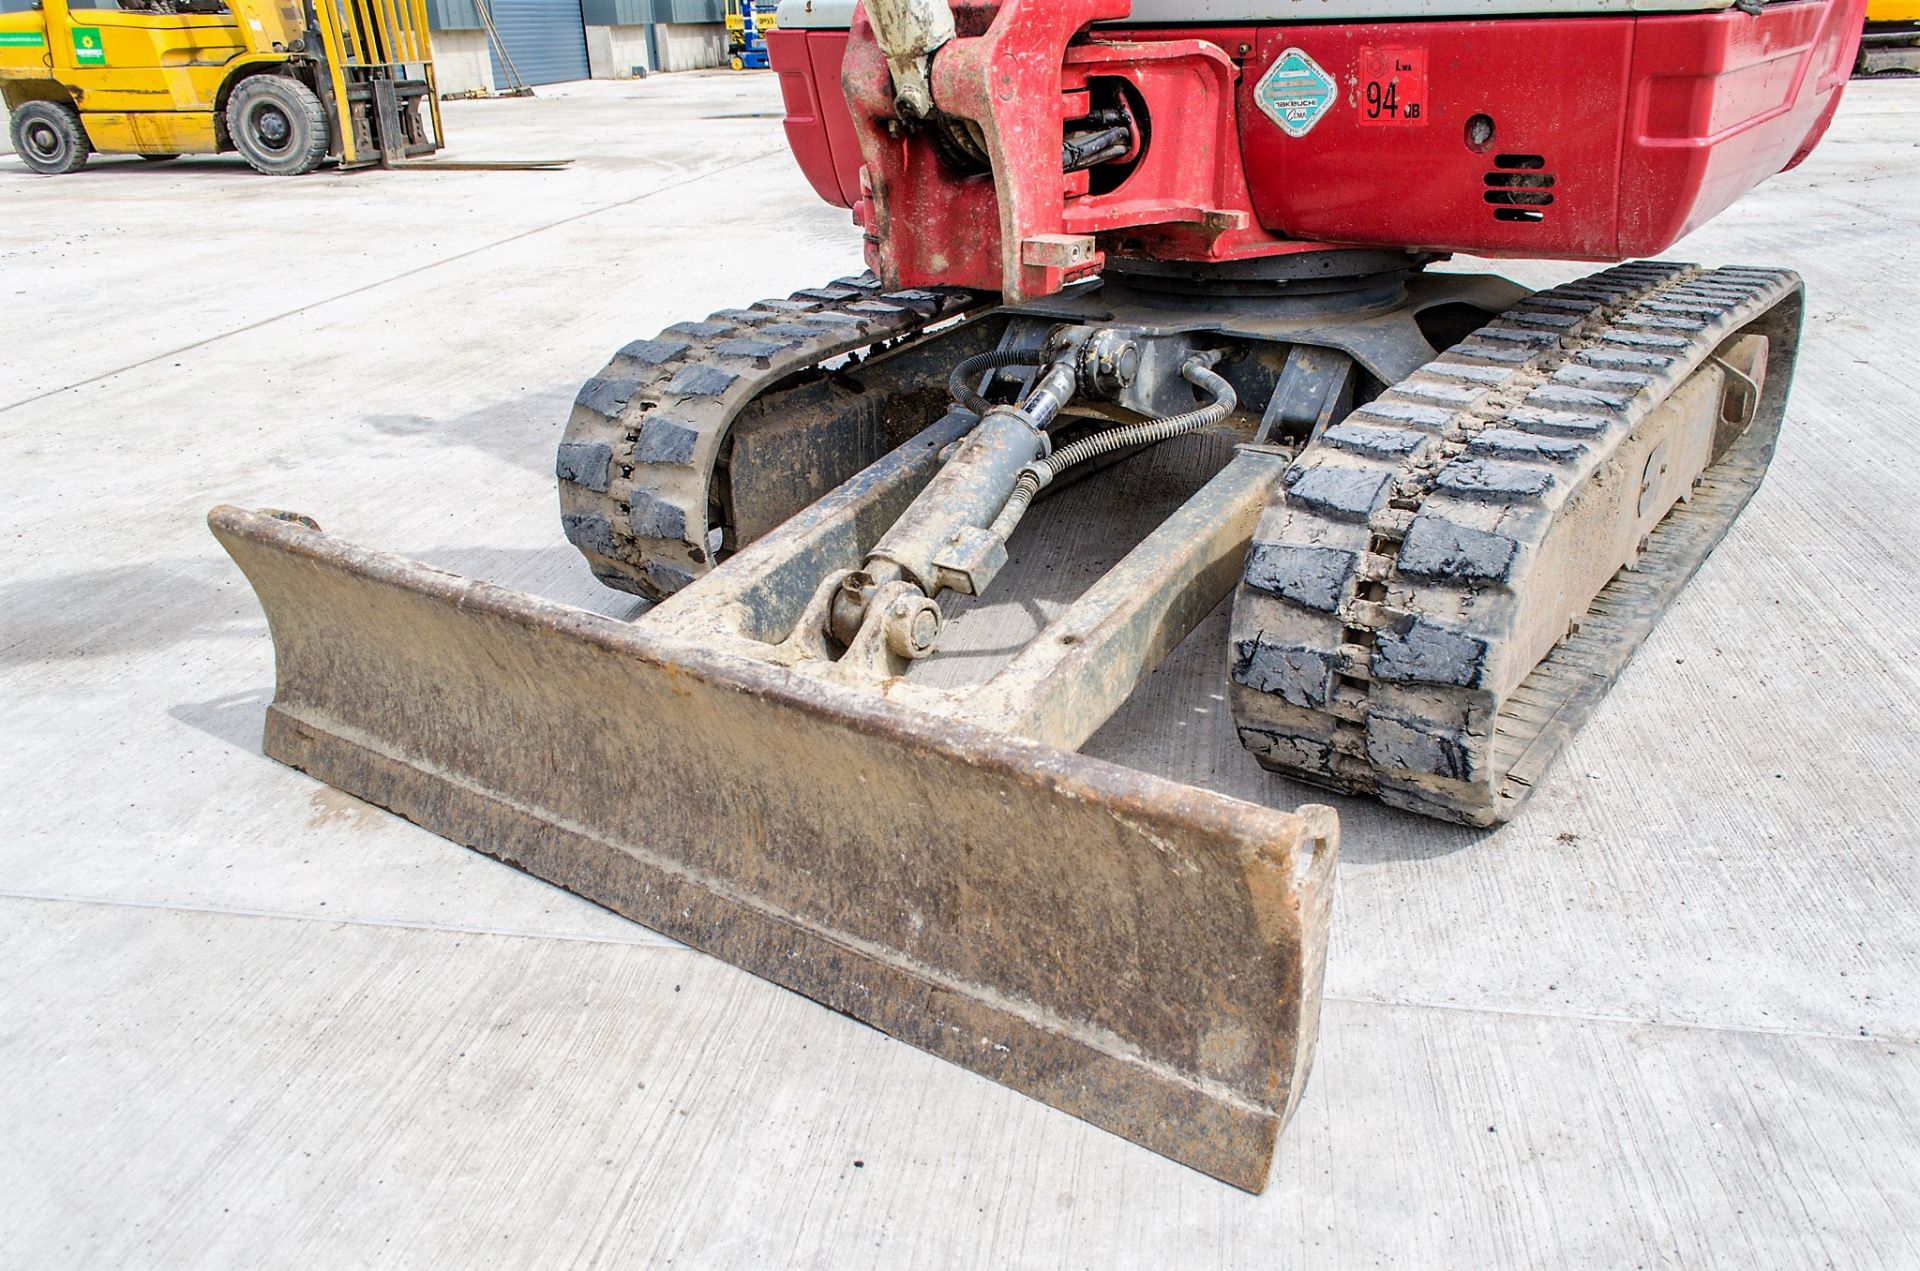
(20, 40)
(87, 50)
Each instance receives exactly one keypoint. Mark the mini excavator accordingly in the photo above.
(1447, 510)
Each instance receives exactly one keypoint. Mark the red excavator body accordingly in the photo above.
(1579, 137)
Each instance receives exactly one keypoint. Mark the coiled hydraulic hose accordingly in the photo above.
(1036, 476)
(960, 382)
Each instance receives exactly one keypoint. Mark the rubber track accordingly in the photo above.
(637, 464)
(1380, 604)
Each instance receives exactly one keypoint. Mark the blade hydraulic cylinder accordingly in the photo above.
(974, 485)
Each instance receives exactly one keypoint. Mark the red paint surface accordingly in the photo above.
(819, 129)
(1647, 127)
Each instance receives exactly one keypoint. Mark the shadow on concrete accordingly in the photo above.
(1063, 547)
(1371, 833)
(122, 609)
(113, 167)
(554, 573)
(522, 431)
(236, 719)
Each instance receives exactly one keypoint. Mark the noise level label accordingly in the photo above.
(1393, 87)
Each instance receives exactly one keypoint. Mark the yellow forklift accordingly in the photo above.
(1891, 43)
(286, 83)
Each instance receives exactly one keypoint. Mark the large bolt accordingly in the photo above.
(849, 608)
(913, 626)
(1109, 361)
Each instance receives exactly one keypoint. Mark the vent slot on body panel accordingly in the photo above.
(1519, 188)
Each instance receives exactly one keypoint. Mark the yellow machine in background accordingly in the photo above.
(1892, 39)
(285, 83)
(748, 22)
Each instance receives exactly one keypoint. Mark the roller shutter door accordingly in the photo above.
(546, 39)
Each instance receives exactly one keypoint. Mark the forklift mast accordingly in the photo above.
(375, 71)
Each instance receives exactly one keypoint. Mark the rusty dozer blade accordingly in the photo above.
(1139, 953)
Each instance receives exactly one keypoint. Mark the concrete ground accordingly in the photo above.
(1667, 1018)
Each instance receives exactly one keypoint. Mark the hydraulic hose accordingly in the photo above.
(960, 382)
(1036, 476)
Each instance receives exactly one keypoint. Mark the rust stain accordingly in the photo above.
(333, 807)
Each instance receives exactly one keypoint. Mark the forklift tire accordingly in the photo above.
(277, 125)
(49, 138)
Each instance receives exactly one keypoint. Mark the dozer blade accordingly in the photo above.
(1139, 953)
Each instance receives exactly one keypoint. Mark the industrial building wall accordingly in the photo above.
(690, 46)
(554, 40)
(616, 52)
(462, 62)
(545, 41)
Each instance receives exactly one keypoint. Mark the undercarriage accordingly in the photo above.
(1430, 526)
(1438, 564)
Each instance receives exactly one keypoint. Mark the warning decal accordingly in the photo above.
(1295, 93)
(1393, 87)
